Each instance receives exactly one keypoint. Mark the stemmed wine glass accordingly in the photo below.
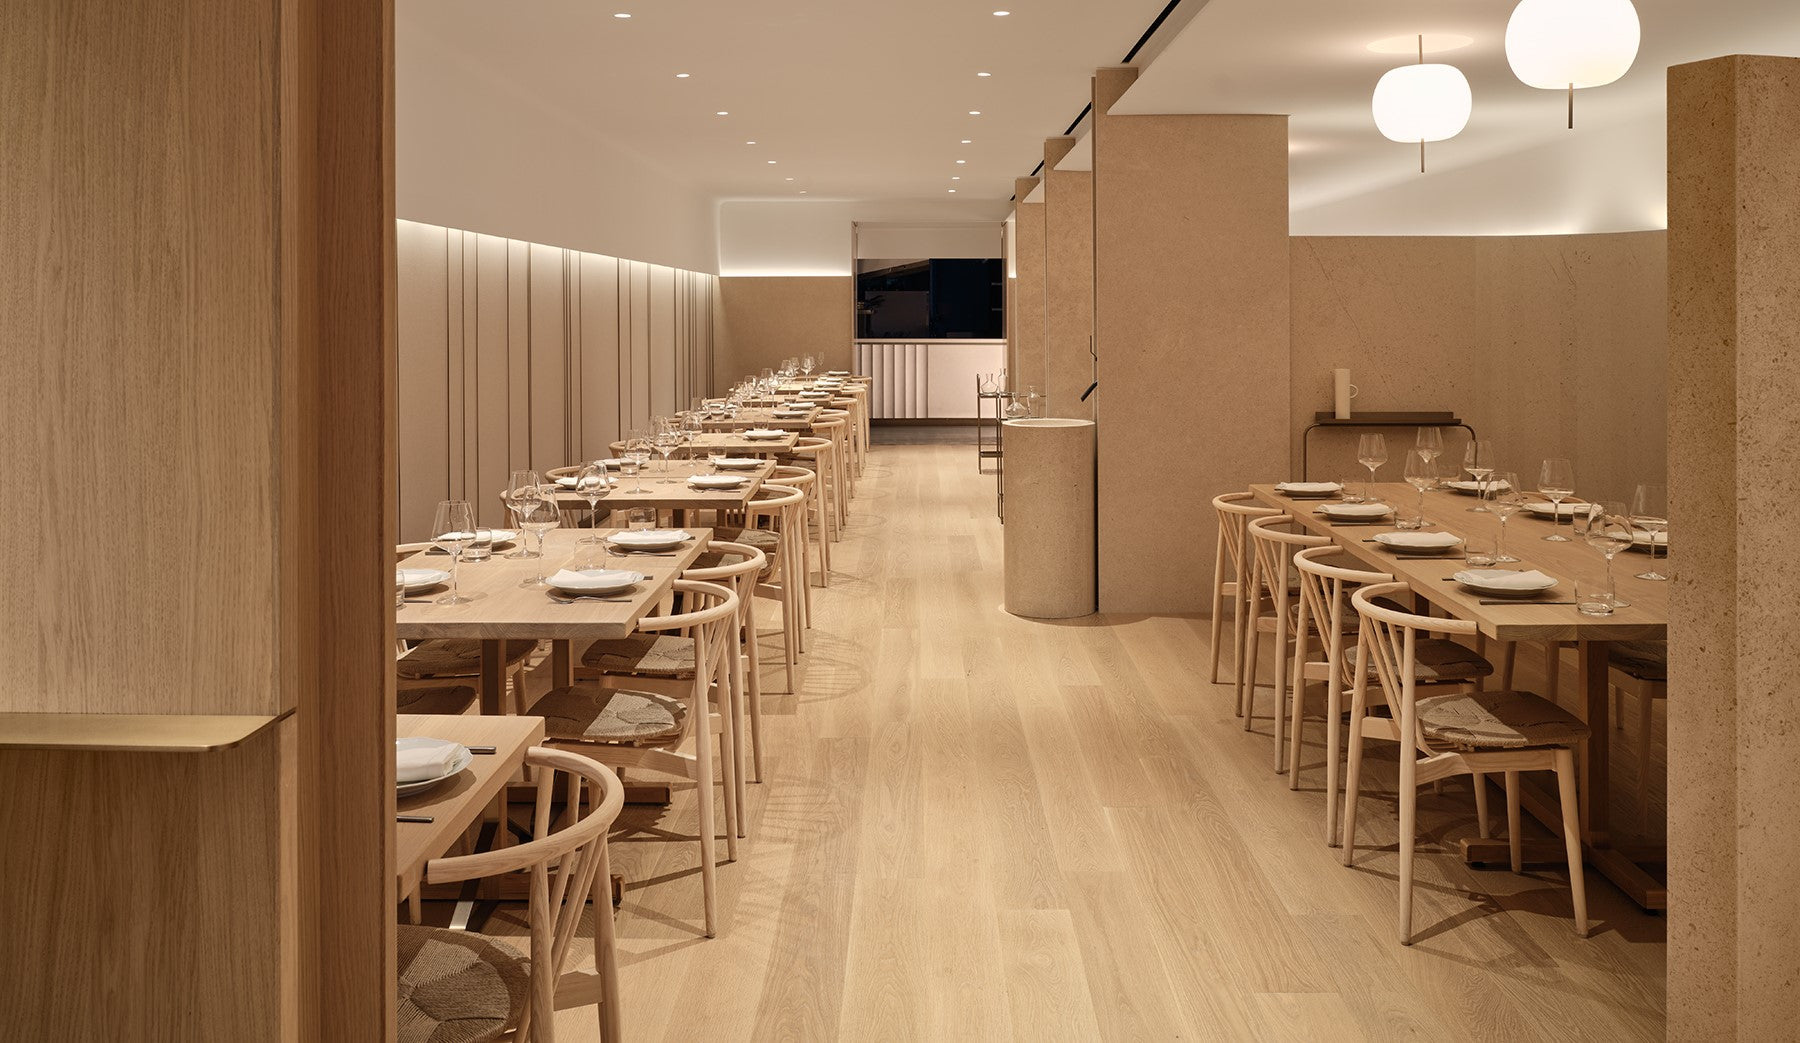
(692, 427)
(520, 484)
(1371, 452)
(1509, 499)
(591, 484)
(807, 364)
(1430, 441)
(1650, 512)
(542, 516)
(452, 528)
(1556, 480)
(668, 439)
(1609, 532)
(1421, 474)
(1478, 460)
(636, 458)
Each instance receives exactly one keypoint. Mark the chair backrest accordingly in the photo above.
(1325, 593)
(1235, 511)
(793, 477)
(740, 575)
(773, 500)
(1275, 549)
(566, 858)
(1389, 639)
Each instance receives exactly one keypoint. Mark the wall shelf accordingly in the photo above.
(130, 732)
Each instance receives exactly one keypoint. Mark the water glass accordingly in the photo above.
(641, 518)
(1592, 599)
(1478, 551)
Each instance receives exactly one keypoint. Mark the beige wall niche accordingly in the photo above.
(1027, 363)
(765, 319)
(1549, 345)
(1191, 320)
(1068, 283)
(1734, 454)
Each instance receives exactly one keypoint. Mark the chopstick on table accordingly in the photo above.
(1523, 602)
(422, 819)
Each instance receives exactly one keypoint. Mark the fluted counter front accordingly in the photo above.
(1049, 480)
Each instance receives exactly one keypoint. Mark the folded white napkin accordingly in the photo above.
(418, 763)
(1417, 539)
(593, 579)
(763, 432)
(1562, 510)
(650, 536)
(717, 481)
(1472, 486)
(567, 481)
(1356, 510)
(1308, 487)
(1501, 579)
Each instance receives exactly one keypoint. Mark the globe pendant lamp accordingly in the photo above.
(1567, 44)
(1423, 102)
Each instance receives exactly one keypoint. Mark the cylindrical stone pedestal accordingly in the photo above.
(1049, 488)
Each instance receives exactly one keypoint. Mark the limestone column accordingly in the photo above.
(1734, 473)
(1027, 364)
(1191, 330)
(1068, 282)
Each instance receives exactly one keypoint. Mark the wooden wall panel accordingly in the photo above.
(519, 354)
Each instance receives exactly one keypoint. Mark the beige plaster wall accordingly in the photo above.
(1550, 345)
(1191, 319)
(1068, 283)
(764, 319)
(1027, 366)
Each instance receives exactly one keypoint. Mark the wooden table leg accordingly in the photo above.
(493, 675)
(1596, 783)
(562, 668)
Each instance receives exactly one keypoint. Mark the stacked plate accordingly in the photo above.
(649, 539)
(1418, 542)
(738, 463)
(718, 481)
(421, 763)
(1308, 490)
(764, 433)
(416, 580)
(1505, 583)
(595, 581)
(1473, 488)
(1544, 509)
(1355, 511)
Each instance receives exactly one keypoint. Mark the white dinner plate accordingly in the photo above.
(1359, 511)
(424, 579)
(1483, 581)
(1308, 490)
(764, 433)
(1418, 542)
(739, 463)
(649, 539)
(1545, 509)
(463, 757)
(718, 481)
(1473, 488)
(595, 581)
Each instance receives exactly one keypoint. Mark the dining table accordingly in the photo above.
(740, 444)
(669, 490)
(453, 805)
(797, 417)
(500, 608)
(1520, 620)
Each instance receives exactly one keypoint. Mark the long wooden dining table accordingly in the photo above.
(500, 609)
(1570, 563)
(668, 490)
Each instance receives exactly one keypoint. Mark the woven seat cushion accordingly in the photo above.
(651, 655)
(456, 657)
(457, 987)
(1435, 659)
(1644, 660)
(762, 539)
(448, 700)
(609, 715)
(1498, 721)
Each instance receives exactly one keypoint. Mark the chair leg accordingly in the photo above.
(1353, 779)
(1237, 654)
(1279, 724)
(1247, 673)
(753, 689)
(703, 785)
(1571, 824)
(1334, 733)
(1297, 718)
(729, 756)
(606, 954)
(1409, 824)
(1515, 840)
(1481, 805)
(1218, 599)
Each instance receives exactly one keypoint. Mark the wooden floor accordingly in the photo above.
(977, 827)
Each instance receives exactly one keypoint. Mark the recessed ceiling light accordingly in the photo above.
(955, 177)
(681, 75)
(974, 112)
(771, 162)
(621, 14)
(749, 142)
(984, 74)
(961, 161)
(953, 191)
(803, 191)
(721, 112)
(790, 179)
(966, 141)
(1001, 14)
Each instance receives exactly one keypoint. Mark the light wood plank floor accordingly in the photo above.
(978, 827)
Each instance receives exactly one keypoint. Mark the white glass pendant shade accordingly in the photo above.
(1428, 102)
(1557, 44)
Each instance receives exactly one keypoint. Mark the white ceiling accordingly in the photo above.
(853, 99)
(1516, 169)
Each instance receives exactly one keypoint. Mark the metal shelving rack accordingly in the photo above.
(998, 443)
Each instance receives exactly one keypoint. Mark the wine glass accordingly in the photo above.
(1421, 474)
(692, 427)
(1371, 452)
(1430, 441)
(591, 485)
(542, 516)
(1509, 499)
(517, 484)
(452, 527)
(1650, 512)
(668, 439)
(807, 364)
(1478, 460)
(1609, 532)
(636, 457)
(1556, 480)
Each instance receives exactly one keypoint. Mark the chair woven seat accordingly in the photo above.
(1434, 659)
(762, 539)
(457, 987)
(1498, 721)
(456, 657)
(447, 700)
(650, 655)
(1644, 660)
(594, 714)
(713, 559)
